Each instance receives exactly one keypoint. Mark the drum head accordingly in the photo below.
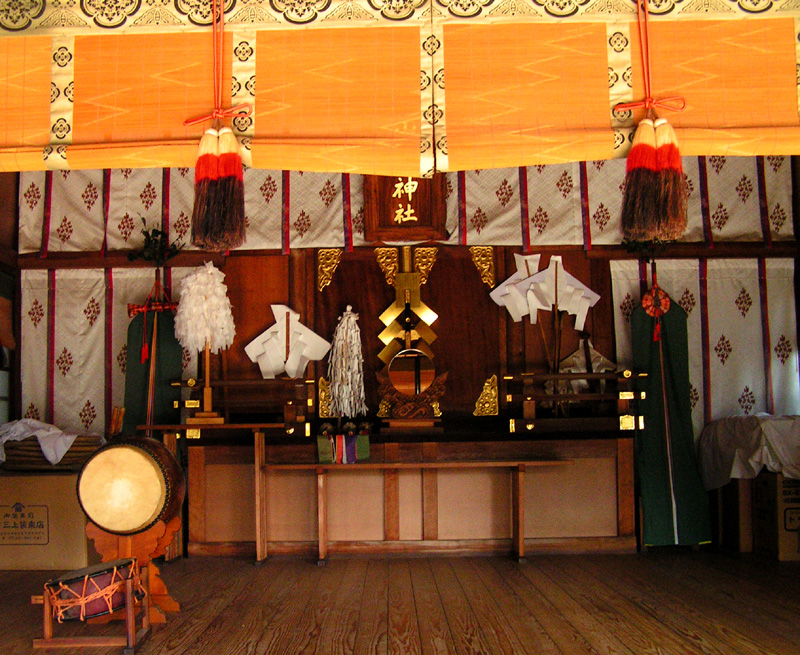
(122, 489)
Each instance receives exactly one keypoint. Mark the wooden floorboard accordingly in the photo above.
(403, 629)
(464, 625)
(664, 602)
(435, 637)
(373, 616)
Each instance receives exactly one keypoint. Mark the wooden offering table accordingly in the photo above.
(390, 469)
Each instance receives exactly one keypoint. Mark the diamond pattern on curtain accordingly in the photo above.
(730, 199)
(743, 371)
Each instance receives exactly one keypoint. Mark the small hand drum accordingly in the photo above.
(93, 591)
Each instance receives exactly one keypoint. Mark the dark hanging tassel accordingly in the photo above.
(229, 231)
(673, 194)
(640, 200)
(205, 182)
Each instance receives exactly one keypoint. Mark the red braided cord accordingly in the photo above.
(218, 42)
(672, 103)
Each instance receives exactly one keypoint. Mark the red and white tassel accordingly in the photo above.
(640, 200)
(671, 219)
(206, 172)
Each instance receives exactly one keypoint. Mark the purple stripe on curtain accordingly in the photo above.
(587, 231)
(106, 201)
(51, 345)
(643, 284)
(704, 340)
(704, 208)
(347, 213)
(763, 206)
(766, 340)
(462, 208)
(166, 180)
(109, 345)
(285, 177)
(48, 199)
(524, 211)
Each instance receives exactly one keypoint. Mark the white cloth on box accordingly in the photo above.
(740, 446)
(53, 441)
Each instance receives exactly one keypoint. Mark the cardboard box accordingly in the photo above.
(776, 516)
(42, 526)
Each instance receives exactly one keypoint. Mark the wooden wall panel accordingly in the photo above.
(254, 283)
(467, 346)
(475, 337)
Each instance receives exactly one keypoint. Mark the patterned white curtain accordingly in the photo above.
(34, 338)
(741, 326)
(314, 210)
(262, 203)
(730, 199)
(783, 351)
(74, 375)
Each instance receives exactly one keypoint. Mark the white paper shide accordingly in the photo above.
(529, 290)
(204, 312)
(287, 346)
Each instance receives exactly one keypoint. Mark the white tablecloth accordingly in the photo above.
(740, 446)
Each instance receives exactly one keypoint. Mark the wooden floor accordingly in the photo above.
(671, 602)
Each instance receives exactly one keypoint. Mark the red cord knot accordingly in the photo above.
(244, 110)
(671, 103)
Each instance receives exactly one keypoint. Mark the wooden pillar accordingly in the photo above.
(197, 494)
(744, 489)
(322, 514)
(430, 495)
(391, 494)
(518, 504)
(391, 505)
(626, 504)
(262, 535)
(175, 548)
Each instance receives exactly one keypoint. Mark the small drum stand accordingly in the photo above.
(95, 591)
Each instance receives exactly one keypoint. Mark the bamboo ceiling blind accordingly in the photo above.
(350, 86)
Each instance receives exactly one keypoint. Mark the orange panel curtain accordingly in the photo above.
(349, 98)
(24, 102)
(344, 100)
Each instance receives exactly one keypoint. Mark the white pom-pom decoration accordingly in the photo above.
(345, 368)
(204, 311)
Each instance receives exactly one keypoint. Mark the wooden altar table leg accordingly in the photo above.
(518, 509)
(262, 537)
(175, 548)
(626, 504)
(391, 505)
(322, 515)
(430, 495)
(744, 492)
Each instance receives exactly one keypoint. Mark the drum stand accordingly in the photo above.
(144, 546)
(129, 640)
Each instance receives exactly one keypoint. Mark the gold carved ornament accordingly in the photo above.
(327, 261)
(388, 260)
(483, 258)
(324, 387)
(424, 259)
(487, 403)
